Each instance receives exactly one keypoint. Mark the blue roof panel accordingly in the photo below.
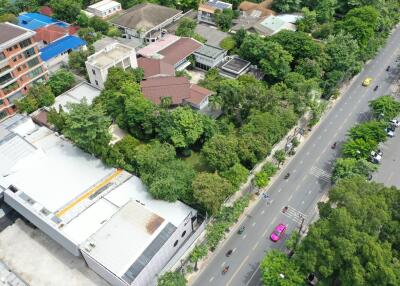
(60, 46)
(34, 21)
(219, 4)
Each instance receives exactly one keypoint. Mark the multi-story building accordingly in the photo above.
(114, 55)
(104, 9)
(207, 10)
(20, 65)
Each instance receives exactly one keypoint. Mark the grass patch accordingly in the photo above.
(196, 160)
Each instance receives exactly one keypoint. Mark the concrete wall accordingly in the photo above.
(39, 220)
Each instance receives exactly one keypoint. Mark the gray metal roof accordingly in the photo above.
(149, 253)
(210, 51)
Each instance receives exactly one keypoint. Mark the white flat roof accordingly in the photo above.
(75, 95)
(124, 237)
(109, 55)
(104, 5)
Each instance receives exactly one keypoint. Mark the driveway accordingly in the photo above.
(211, 34)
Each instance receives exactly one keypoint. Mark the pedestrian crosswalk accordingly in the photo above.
(294, 214)
(320, 174)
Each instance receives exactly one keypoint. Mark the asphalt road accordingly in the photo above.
(308, 183)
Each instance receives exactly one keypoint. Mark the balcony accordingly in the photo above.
(10, 88)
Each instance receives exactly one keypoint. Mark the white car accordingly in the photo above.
(390, 132)
(395, 122)
(376, 157)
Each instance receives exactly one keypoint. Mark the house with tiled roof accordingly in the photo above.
(207, 10)
(155, 68)
(178, 89)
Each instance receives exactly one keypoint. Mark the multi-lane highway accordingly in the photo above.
(308, 183)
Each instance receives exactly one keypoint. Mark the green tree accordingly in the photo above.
(224, 19)
(87, 127)
(385, 107)
(276, 63)
(27, 5)
(239, 37)
(98, 24)
(309, 68)
(370, 130)
(198, 252)
(359, 148)
(77, 59)
(252, 148)
(82, 20)
(286, 6)
(8, 17)
(325, 10)
(220, 152)
(350, 167)
(114, 32)
(236, 175)
(172, 279)
(308, 22)
(280, 156)
(39, 95)
(89, 35)
(342, 53)
(61, 81)
(27, 104)
(67, 10)
(277, 269)
(186, 28)
(210, 190)
(253, 48)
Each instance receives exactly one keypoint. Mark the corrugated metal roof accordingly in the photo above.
(60, 46)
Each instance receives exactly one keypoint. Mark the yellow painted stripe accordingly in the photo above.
(89, 193)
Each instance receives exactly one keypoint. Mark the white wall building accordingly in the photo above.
(105, 8)
(114, 55)
(103, 214)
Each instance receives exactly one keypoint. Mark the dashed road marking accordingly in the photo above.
(262, 212)
(302, 202)
(320, 174)
(290, 198)
(223, 263)
(254, 224)
(211, 279)
(237, 270)
(294, 215)
(244, 236)
(255, 246)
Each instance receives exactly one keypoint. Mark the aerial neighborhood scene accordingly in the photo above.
(199, 142)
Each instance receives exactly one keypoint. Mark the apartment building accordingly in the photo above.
(114, 55)
(20, 65)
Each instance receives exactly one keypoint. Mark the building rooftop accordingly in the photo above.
(60, 46)
(76, 94)
(290, 18)
(145, 16)
(272, 25)
(178, 89)
(109, 55)
(33, 21)
(50, 33)
(235, 66)
(153, 48)
(104, 5)
(256, 10)
(106, 41)
(179, 50)
(155, 67)
(213, 5)
(10, 32)
(210, 51)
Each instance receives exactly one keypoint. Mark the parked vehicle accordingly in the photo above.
(278, 232)
(394, 122)
(376, 157)
(390, 132)
(367, 81)
(312, 280)
(241, 230)
(388, 68)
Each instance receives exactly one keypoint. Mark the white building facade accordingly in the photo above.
(105, 8)
(114, 55)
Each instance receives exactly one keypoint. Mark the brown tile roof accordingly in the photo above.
(50, 33)
(145, 16)
(9, 32)
(207, 8)
(249, 7)
(177, 88)
(180, 50)
(197, 94)
(155, 67)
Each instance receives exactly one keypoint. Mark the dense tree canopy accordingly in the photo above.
(67, 10)
(61, 81)
(385, 107)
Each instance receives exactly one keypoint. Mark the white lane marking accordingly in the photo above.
(254, 273)
(319, 137)
(223, 263)
(233, 250)
(309, 192)
(320, 174)
(294, 171)
(302, 202)
(254, 224)
(255, 246)
(237, 270)
(304, 177)
(211, 279)
(301, 162)
(262, 212)
(308, 153)
(244, 236)
(266, 230)
(291, 196)
(279, 190)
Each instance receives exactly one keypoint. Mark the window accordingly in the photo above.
(33, 62)
(19, 68)
(2, 56)
(1, 102)
(183, 233)
(25, 43)
(4, 68)
(97, 83)
(5, 78)
(3, 114)
(35, 72)
(15, 46)
(14, 59)
(30, 52)
(9, 49)
(93, 71)
(175, 243)
(20, 56)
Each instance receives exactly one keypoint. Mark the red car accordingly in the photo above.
(278, 232)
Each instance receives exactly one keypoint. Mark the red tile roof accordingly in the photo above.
(155, 67)
(50, 33)
(180, 50)
(177, 88)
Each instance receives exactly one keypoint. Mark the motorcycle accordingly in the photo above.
(375, 88)
(287, 176)
(333, 146)
(226, 268)
(285, 209)
(229, 253)
(388, 68)
(240, 231)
